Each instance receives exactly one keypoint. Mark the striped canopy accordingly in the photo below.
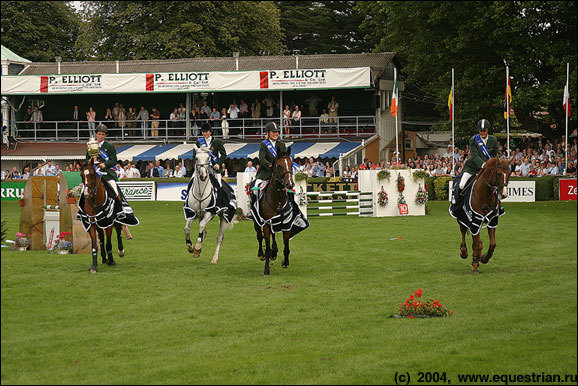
(234, 150)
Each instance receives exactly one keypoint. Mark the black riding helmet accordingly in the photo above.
(272, 126)
(484, 125)
(101, 128)
(206, 127)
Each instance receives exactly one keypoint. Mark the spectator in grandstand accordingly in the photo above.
(571, 169)
(324, 118)
(215, 118)
(203, 116)
(206, 109)
(28, 116)
(312, 103)
(91, 118)
(120, 171)
(108, 116)
(183, 168)
(224, 124)
(39, 170)
(50, 170)
(168, 172)
(287, 120)
(143, 117)
(75, 116)
(250, 167)
(15, 173)
(328, 170)
(178, 172)
(225, 171)
(37, 115)
(160, 169)
(131, 117)
(243, 109)
(347, 172)
(317, 169)
(233, 114)
(58, 169)
(174, 118)
(268, 102)
(525, 167)
(133, 172)
(115, 113)
(256, 109)
(296, 117)
(155, 117)
(121, 117)
(517, 168)
(333, 108)
(26, 174)
(152, 171)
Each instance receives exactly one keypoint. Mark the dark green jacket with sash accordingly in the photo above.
(477, 159)
(218, 150)
(110, 150)
(266, 159)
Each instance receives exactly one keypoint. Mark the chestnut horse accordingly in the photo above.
(95, 198)
(488, 189)
(272, 202)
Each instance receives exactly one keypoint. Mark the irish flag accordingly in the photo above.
(394, 97)
(450, 105)
(566, 101)
(507, 100)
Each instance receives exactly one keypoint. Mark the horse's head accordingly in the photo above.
(202, 164)
(497, 174)
(283, 170)
(90, 179)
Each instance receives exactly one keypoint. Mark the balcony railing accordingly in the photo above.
(169, 130)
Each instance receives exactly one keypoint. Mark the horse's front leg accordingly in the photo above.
(286, 236)
(274, 248)
(101, 242)
(109, 246)
(94, 240)
(118, 228)
(188, 235)
(220, 237)
(260, 253)
(202, 233)
(463, 246)
(267, 234)
(488, 255)
(476, 252)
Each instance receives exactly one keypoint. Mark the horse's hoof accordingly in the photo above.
(475, 271)
(104, 261)
(121, 253)
(262, 257)
(485, 259)
(270, 265)
(284, 265)
(93, 270)
(111, 262)
(464, 257)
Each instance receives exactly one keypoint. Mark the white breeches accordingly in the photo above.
(465, 179)
(114, 186)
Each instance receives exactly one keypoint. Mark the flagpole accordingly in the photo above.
(508, 111)
(453, 127)
(566, 113)
(396, 112)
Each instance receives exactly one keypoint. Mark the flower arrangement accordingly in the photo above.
(75, 192)
(240, 214)
(21, 243)
(63, 245)
(247, 189)
(400, 183)
(419, 174)
(382, 198)
(421, 195)
(414, 307)
(301, 198)
(383, 175)
(300, 176)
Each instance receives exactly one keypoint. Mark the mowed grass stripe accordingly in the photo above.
(161, 316)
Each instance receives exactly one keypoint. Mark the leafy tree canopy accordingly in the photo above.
(134, 30)
(40, 30)
(478, 39)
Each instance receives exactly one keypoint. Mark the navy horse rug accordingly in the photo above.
(107, 214)
(223, 201)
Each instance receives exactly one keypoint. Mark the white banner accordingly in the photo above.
(186, 81)
(518, 191)
(138, 190)
(175, 191)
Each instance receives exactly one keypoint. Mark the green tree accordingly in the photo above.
(534, 38)
(40, 30)
(134, 30)
(322, 27)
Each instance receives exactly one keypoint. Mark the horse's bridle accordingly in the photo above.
(197, 168)
(281, 181)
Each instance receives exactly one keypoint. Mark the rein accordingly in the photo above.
(279, 180)
(201, 199)
(492, 186)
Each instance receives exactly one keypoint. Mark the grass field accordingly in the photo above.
(161, 317)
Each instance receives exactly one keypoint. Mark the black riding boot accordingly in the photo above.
(118, 208)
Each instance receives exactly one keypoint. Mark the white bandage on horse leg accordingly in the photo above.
(464, 179)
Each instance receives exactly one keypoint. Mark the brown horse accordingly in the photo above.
(95, 201)
(488, 189)
(271, 204)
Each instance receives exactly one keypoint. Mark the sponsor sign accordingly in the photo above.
(138, 190)
(403, 209)
(328, 78)
(12, 191)
(169, 191)
(518, 191)
(568, 189)
(331, 186)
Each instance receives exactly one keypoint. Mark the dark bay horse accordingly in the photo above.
(272, 202)
(96, 200)
(484, 207)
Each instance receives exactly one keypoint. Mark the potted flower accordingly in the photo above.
(74, 194)
(383, 174)
(63, 246)
(401, 203)
(382, 198)
(21, 243)
(421, 195)
(416, 307)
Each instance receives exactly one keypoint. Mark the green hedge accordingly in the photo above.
(442, 188)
